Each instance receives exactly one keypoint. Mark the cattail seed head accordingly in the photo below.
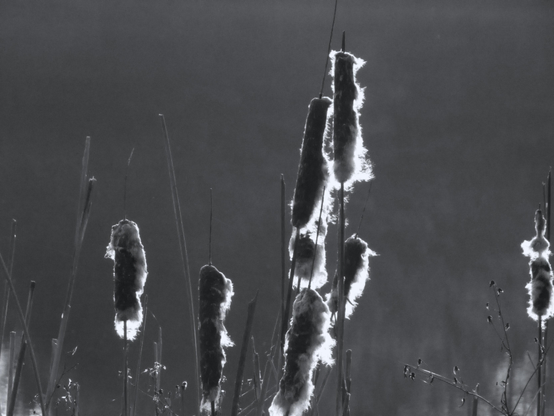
(540, 285)
(215, 293)
(307, 342)
(130, 272)
(313, 168)
(356, 274)
(350, 161)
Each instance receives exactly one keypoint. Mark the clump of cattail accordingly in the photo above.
(540, 286)
(215, 293)
(307, 341)
(310, 260)
(127, 252)
(313, 170)
(356, 273)
(350, 157)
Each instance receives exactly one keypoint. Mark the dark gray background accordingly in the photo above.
(458, 121)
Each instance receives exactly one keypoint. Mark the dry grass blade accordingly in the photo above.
(83, 213)
(8, 277)
(21, 356)
(5, 304)
(183, 252)
(243, 352)
(11, 366)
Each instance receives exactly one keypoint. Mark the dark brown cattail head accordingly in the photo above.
(130, 272)
(215, 292)
(350, 162)
(313, 168)
(307, 341)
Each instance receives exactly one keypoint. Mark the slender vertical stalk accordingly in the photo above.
(6, 300)
(159, 359)
(125, 369)
(243, 352)
(341, 307)
(137, 372)
(184, 254)
(21, 356)
(539, 371)
(211, 221)
(83, 213)
(8, 277)
(475, 402)
(11, 367)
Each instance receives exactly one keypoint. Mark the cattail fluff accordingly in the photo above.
(127, 252)
(350, 157)
(305, 251)
(215, 292)
(356, 274)
(540, 286)
(307, 341)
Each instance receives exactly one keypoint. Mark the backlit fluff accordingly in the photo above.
(356, 274)
(307, 342)
(540, 285)
(313, 170)
(127, 252)
(305, 252)
(350, 163)
(215, 293)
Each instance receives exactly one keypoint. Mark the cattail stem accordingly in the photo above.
(316, 241)
(137, 372)
(11, 366)
(328, 50)
(283, 254)
(125, 369)
(125, 185)
(341, 306)
(8, 276)
(539, 371)
(285, 317)
(211, 221)
(243, 352)
(184, 255)
(83, 213)
(6, 301)
(21, 356)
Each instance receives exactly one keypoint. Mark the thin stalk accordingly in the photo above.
(256, 365)
(5, 304)
(125, 369)
(159, 359)
(341, 307)
(211, 221)
(156, 375)
(328, 50)
(316, 240)
(125, 184)
(283, 252)
(83, 214)
(183, 253)
(11, 366)
(137, 373)
(243, 352)
(21, 356)
(8, 277)
(475, 402)
(348, 382)
(539, 372)
(77, 399)
(285, 317)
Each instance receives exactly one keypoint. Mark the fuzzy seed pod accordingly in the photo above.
(313, 168)
(215, 292)
(307, 342)
(356, 273)
(350, 161)
(305, 252)
(127, 252)
(540, 286)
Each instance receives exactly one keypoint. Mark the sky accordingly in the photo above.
(458, 122)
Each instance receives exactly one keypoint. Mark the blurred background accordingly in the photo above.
(458, 121)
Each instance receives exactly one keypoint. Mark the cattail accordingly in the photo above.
(215, 292)
(306, 253)
(356, 273)
(540, 286)
(350, 160)
(313, 168)
(307, 341)
(127, 252)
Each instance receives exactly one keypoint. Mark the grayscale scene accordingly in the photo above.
(276, 207)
